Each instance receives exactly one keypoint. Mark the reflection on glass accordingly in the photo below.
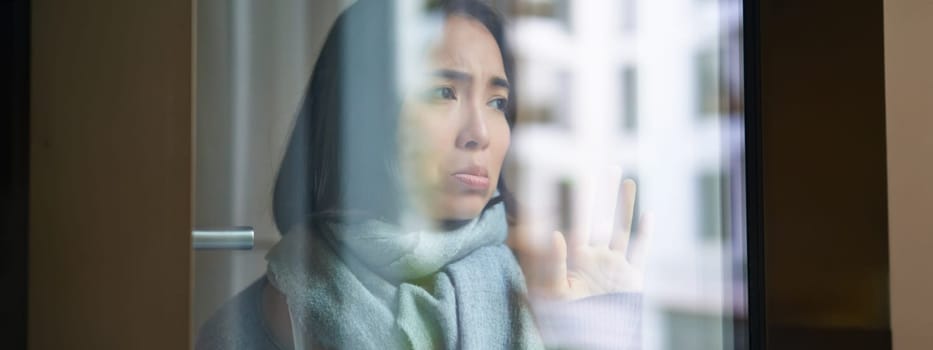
(431, 174)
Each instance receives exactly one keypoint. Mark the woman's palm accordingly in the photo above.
(573, 268)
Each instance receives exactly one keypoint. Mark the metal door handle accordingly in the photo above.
(237, 238)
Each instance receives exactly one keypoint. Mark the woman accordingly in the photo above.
(395, 212)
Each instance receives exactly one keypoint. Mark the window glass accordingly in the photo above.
(471, 174)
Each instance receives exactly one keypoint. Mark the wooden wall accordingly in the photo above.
(110, 174)
(824, 174)
(909, 89)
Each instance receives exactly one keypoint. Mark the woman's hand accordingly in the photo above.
(576, 268)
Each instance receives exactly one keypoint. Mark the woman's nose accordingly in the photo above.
(474, 134)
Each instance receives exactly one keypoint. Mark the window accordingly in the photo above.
(565, 204)
(694, 330)
(710, 204)
(546, 99)
(557, 10)
(707, 83)
(629, 99)
(629, 15)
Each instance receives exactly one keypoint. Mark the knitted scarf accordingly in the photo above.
(372, 285)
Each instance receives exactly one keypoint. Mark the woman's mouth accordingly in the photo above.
(473, 181)
(474, 178)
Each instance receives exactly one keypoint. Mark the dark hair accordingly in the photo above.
(348, 119)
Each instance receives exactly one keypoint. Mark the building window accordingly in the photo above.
(710, 205)
(629, 99)
(557, 10)
(548, 103)
(565, 205)
(707, 83)
(692, 330)
(629, 16)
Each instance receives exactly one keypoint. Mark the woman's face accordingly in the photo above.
(454, 130)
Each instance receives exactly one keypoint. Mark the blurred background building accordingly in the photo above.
(653, 86)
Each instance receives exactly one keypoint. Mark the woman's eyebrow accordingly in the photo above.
(453, 75)
(500, 82)
(466, 77)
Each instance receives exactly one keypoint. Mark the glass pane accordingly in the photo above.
(449, 174)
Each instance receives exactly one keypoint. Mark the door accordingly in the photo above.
(110, 174)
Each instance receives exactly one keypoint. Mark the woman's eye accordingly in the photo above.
(499, 104)
(443, 93)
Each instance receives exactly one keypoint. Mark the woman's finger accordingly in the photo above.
(643, 240)
(546, 272)
(530, 249)
(626, 209)
(558, 277)
(603, 205)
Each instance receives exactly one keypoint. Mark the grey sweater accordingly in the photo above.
(239, 323)
(610, 321)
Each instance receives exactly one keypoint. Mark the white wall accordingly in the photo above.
(909, 100)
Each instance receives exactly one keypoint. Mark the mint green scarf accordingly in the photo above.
(372, 285)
